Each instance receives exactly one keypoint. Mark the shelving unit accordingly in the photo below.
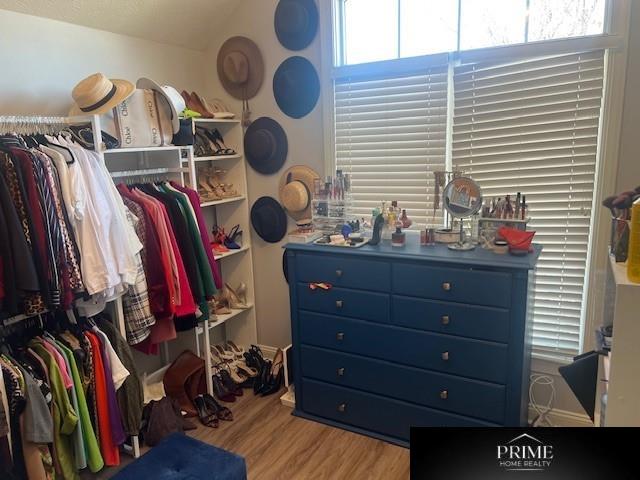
(237, 265)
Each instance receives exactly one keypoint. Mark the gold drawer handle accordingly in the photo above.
(445, 320)
(446, 286)
(342, 407)
(339, 303)
(340, 372)
(340, 336)
(444, 394)
(445, 356)
(338, 273)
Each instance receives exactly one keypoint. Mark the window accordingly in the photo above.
(390, 135)
(375, 30)
(528, 124)
(532, 126)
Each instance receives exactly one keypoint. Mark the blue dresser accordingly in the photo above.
(410, 336)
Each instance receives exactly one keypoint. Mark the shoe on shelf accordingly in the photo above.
(235, 300)
(193, 104)
(218, 241)
(201, 102)
(232, 238)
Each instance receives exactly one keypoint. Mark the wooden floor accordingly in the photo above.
(276, 445)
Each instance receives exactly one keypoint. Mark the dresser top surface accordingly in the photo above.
(436, 253)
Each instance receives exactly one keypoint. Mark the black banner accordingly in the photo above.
(524, 453)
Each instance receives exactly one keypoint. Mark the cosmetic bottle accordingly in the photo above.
(398, 238)
(633, 260)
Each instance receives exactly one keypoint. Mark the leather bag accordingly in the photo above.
(185, 380)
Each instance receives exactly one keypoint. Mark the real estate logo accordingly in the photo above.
(525, 453)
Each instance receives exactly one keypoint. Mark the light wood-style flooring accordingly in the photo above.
(278, 446)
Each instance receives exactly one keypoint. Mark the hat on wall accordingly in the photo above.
(173, 99)
(296, 23)
(265, 145)
(97, 94)
(296, 191)
(296, 86)
(240, 67)
(268, 219)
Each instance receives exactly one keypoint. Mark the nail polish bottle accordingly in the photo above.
(398, 238)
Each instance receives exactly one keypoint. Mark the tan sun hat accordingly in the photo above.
(296, 191)
(240, 67)
(97, 94)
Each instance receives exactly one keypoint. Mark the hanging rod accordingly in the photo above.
(148, 172)
(27, 124)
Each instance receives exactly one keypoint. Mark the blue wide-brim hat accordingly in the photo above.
(296, 23)
(269, 219)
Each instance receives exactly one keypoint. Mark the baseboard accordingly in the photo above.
(564, 418)
(268, 351)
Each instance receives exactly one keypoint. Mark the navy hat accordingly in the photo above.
(269, 220)
(296, 23)
(265, 145)
(296, 87)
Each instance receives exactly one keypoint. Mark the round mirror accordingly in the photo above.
(462, 198)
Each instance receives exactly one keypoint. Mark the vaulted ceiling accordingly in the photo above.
(186, 23)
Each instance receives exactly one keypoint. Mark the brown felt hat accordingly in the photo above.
(240, 67)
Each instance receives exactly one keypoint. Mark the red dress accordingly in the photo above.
(110, 451)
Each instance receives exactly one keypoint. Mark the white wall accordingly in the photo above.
(43, 59)
(254, 19)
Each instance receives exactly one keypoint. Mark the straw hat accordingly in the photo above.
(97, 94)
(296, 191)
(240, 67)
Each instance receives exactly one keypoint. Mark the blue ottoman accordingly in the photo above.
(181, 457)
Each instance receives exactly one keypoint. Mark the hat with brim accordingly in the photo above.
(296, 189)
(296, 23)
(265, 145)
(268, 219)
(240, 67)
(98, 94)
(296, 87)
(173, 99)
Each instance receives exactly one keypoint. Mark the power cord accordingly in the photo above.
(541, 410)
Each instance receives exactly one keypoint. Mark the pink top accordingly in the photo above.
(62, 365)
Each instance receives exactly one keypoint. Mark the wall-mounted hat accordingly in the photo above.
(97, 94)
(296, 23)
(296, 191)
(268, 219)
(172, 97)
(296, 86)
(265, 145)
(240, 67)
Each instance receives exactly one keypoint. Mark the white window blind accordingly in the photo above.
(532, 126)
(390, 135)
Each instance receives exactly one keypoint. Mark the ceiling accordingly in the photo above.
(186, 23)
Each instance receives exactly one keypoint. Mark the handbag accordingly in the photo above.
(185, 135)
(142, 120)
(159, 419)
(83, 134)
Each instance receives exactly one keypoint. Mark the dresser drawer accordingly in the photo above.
(437, 390)
(444, 353)
(344, 272)
(375, 413)
(349, 303)
(452, 284)
(486, 323)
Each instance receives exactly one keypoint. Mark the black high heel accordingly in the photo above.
(275, 377)
(261, 381)
(220, 141)
(228, 382)
(220, 390)
(223, 413)
(206, 416)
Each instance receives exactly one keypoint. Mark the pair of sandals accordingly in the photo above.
(211, 186)
(223, 242)
(210, 412)
(206, 108)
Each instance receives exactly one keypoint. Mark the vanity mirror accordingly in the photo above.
(462, 198)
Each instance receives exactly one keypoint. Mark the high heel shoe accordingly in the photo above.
(230, 240)
(220, 390)
(193, 104)
(275, 379)
(220, 141)
(202, 103)
(228, 381)
(261, 381)
(222, 412)
(207, 417)
(377, 230)
(234, 299)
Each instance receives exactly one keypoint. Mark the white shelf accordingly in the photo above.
(214, 203)
(620, 274)
(217, 320)
(220, 256)
(215, 158)
(216, 120)
(166, 148)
